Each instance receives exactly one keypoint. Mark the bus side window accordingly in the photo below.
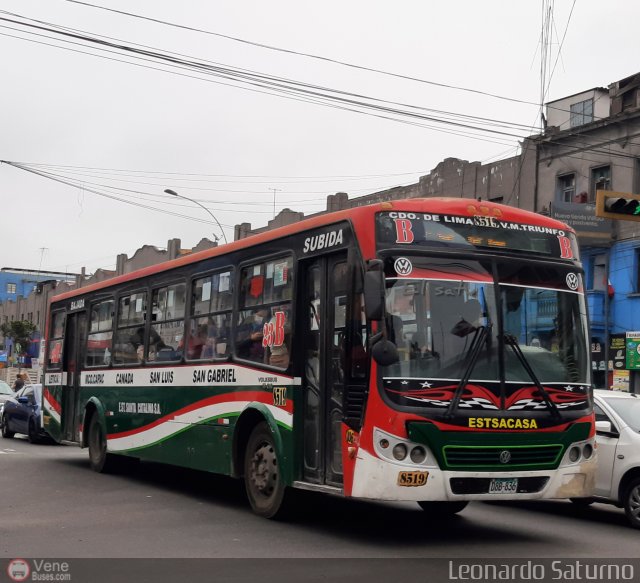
(167, 326)
(129, 345)
(208, 334)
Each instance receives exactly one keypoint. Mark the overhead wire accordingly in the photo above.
(279, 85)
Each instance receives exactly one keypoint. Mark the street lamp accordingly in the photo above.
(174, 193)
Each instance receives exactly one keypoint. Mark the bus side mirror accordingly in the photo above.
(374, 290)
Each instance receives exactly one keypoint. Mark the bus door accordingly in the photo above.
(74, 338)
(325, 303)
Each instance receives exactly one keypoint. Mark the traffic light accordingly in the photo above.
(618, 205)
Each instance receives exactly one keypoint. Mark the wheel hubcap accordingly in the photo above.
(634, 503)
(264, 474)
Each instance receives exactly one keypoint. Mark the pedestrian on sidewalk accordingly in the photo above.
(19, 383)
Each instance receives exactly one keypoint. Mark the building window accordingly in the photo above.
(600, 180)
(567, 187)
(11, 288)
(598, 275)
(581, 113)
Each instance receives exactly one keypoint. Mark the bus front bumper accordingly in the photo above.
(379, 479)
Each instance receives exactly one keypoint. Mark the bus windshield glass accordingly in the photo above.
(446, 319)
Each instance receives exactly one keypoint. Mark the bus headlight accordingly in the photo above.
(574, 454)
(587, 451)
(418, 454)
(399, 451)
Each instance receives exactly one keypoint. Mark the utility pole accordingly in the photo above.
(274, 199)
(42, 251)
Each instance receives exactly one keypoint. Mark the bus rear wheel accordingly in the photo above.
(262, 475)
(99, 459)
(442, 508)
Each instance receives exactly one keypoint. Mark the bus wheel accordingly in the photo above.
(262, 475)
(5, 429)
(33, 432)
(632, 502)
(443, 508)
(99, 459)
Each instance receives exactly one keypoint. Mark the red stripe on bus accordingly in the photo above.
(54, 404)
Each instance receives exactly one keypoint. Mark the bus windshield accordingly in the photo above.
(447, 316)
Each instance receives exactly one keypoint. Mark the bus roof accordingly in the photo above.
(359, 216)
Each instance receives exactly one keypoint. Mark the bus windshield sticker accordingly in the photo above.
(280, 275)
(206, 291)
(225, 279)
(256, 286)
(273, 331)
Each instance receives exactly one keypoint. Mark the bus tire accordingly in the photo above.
(262, 474)
(5, 429)
(632, 502)
(100, 461)
(443, 508)
(32, 433)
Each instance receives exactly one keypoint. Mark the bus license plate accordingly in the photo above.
(412, 478)
(503, 486)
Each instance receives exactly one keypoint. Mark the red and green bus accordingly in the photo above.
(430, 350)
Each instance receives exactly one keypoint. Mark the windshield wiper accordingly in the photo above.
(511, 340)
(474, 353)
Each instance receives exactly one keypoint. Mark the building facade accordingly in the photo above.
(32, 301)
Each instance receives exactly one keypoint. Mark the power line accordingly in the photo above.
(277, 85)
(302, 54)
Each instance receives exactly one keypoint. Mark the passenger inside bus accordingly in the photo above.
(250, 333)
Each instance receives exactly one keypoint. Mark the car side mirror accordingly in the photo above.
(604, 427)
(23, 400)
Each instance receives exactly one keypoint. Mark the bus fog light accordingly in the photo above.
(587, 451)
(418, 454)
(384, 443)
(574, 454)
(400, 451)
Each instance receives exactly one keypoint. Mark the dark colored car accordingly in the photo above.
(5, 392)
(22, 414)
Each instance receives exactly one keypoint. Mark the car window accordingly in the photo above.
(600, 414)
(628, 409)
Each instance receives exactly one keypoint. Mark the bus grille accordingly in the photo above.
(502, 457)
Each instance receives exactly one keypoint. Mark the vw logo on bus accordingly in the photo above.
(403, 266)
(573, 282)
(505, 457)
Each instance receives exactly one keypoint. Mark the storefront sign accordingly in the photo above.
(617, 356)
(633, 350)
(620, 380)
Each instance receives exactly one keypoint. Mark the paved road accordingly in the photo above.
(53, 505)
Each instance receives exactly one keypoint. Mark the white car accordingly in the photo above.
(618, 439)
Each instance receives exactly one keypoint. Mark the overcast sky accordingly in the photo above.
(131, 131)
